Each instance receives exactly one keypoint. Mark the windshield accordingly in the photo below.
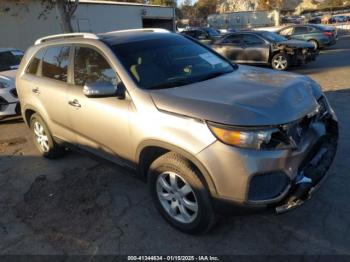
(169, 62)
(273, 37)
(10, 60)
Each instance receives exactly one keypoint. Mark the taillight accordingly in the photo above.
(329, 34)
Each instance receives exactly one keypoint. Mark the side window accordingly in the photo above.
(232, 39)
(312, 30)
(91, 67)
(287, 31)
(301, 30)
(55, 63)
(34, 63)
(252, 40)
(201, 34)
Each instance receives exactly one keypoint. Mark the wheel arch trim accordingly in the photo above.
(173, 148)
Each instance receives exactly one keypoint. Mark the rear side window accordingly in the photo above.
(34, 63)
(301, 30)
(55, 63)
(91, 67)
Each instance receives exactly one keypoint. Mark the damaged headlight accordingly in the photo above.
(245, 138)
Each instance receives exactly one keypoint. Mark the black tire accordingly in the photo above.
(280, 61)
(315, 44)
(54, 150)
(204, 217)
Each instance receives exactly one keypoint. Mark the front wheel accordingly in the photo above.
(180, 195)
(280, 62)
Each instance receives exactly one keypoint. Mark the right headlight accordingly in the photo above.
(245, 138)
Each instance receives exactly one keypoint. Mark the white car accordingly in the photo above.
(10, 58)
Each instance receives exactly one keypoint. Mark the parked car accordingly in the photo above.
(9, 61)
(318, 35)
(266, 48)
(315, 20)
(201, 131)
(340, 19)
(205, 35)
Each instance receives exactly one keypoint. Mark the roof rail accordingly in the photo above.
(63, 36)
(155, 30)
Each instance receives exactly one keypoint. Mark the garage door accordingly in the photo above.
(158, 23)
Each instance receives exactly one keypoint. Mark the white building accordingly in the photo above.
(21, 25)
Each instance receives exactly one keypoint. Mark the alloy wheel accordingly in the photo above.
(177, 197)
(280, 62)
(41, 137)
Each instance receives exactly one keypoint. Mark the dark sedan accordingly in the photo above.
(318, 35)
(266, 48)
(205, 35)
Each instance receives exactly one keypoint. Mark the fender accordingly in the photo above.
(170, 147)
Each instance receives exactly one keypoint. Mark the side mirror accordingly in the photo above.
(100, 89)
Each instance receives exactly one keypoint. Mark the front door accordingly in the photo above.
(101, 123)
(255, 49)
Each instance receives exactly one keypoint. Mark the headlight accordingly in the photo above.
(4, 85)
(242, 138)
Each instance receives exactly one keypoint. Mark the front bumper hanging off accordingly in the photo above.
(313, 172)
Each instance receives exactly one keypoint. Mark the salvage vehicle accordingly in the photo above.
(205, 35)
(264, 48)
(319, 36)
(9, 61)
(202, 132)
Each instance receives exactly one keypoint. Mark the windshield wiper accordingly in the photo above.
(213, 75)
(170, 84)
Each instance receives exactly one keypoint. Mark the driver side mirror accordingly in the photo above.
(102, 89)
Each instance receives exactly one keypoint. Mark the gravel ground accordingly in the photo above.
(76, 205)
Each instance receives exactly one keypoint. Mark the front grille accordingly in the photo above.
(267, 186)
(14, 93)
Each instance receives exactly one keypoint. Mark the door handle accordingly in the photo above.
(36, 90)
(74, 103)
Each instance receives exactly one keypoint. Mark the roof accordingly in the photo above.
(98, 2)
(113, 38)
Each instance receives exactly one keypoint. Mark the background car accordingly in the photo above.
(9, 61)
(263, 47)
(205, 35)
(320, 36)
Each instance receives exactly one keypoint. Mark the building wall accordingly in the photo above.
(20, 26)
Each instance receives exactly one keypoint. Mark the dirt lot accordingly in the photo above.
(76, 205)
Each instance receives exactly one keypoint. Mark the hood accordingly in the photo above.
(296, 43)
(9, 75)
(249, 96)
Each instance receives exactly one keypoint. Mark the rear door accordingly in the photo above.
(301, 33)
(255, 49)
(50, 87)
(231, 47)
(101, 124)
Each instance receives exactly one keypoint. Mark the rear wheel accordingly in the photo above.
(280, 62)
(43, 139)
(314, 43)
(180, 195)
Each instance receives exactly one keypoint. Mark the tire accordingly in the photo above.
(188, 206)
(315, 44)
(48, 147)
(280, 61)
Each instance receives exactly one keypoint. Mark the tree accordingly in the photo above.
(205, 8)
(65, 9)
(270, 4)
(163, 2)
